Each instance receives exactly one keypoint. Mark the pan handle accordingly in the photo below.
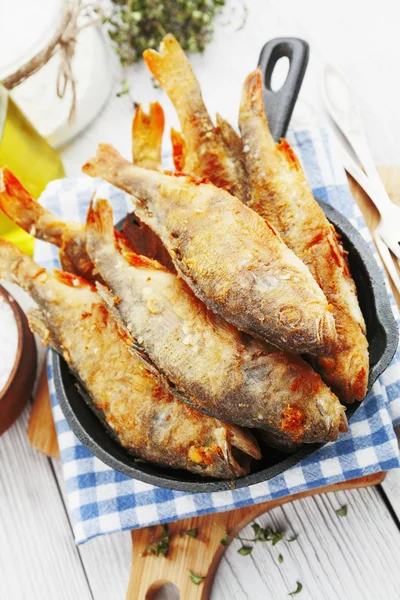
(279, 105)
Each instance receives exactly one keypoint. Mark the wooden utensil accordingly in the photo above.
(17, 390)
(41, 429)
(202, 555)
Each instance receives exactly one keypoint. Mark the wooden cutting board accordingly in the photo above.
(201, 555)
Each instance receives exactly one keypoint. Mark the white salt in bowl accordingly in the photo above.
(17, 360)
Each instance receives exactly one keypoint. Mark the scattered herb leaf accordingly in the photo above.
(280, 558)
(342, 512)
(294, 538)
(196, 578)
(277, 536)
(297, 590)
(245, 550)
(190, 532)
(159, 546)
(124, 88)
(225, 540)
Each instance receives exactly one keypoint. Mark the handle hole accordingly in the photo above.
(280, 73)
(165, 591)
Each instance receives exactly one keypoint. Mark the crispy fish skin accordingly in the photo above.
(203, 360)
(205, 152)
(146, 419)
(233, 260)
(281, 194)
(147, 133)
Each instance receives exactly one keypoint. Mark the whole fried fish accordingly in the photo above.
(146, 419)
(281, 194)
(234, 261)
(200, 358)
(206, 151)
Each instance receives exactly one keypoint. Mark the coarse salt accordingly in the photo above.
(8, 341)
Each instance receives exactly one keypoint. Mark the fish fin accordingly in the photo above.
(17, 203)
(243, 440)
(72, 280)
(39, 325)
(142, 262)
(107, 158)
(178, 149)
(145, 242)
(287, 151)
(230, 137)
(147, 133)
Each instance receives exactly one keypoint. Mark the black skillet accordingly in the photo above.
(374, 302)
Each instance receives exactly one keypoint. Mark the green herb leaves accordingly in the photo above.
(160, 546)
(137, 25)
(190, 532)
(342, 512)
(245, 550)
(280, 558)
(195, 578)
(225, 540)
(297, 590)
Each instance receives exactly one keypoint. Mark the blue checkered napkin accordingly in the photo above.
(102, 500)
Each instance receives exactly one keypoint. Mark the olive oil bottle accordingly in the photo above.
(29, 157)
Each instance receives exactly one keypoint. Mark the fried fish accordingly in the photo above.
(206, 152)
(281, 194)
(234, 261)
(200, 358)
(146, 419)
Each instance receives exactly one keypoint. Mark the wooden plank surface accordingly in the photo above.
(38, 558)
(335, 558)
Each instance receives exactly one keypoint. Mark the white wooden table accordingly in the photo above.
(357, 557)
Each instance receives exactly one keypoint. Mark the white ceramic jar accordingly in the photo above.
(26, 27)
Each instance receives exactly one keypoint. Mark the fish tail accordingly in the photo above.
(17, 267)
(147, 133)
(17, 203)
(178, 149)
(99, 222)
(171, 58)
(252, 103)
(107, 159)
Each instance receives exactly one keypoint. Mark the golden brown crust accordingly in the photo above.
(203, 360)
(281, 194)
(145, 418)
(233, 260)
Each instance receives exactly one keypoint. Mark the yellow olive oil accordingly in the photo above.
(29, 157)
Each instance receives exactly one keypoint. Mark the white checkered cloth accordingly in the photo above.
(102, 500)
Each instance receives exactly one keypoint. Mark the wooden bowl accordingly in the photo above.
(18, 388)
